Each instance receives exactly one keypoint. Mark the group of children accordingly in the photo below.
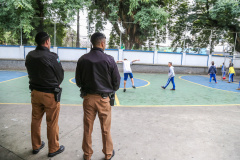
(128, 73)
(213, 70)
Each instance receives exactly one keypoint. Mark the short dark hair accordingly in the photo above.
(212, 62)
(170, 63)
(96, 38)
(41, 38)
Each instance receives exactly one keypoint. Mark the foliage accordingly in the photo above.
(136, 20)
(202, 16)
(33, 16)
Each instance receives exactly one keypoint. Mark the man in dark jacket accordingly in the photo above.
(97, 75)
(212, 71)
(45, 76)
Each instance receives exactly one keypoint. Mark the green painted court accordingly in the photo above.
(191, 90)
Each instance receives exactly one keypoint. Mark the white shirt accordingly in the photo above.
(127, 67)
(171, 72)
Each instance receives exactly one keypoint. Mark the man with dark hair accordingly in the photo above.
(45, 76)
(97, 77)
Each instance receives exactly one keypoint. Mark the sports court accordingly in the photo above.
(200, 120)
(192, 90)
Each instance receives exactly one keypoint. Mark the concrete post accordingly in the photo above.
(209, 60)
(184, 58)
(55, 50)
(88, 50)
(21, 50)
(155, 57)
(120, 54)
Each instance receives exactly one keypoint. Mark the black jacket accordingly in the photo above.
(45, 71)
(97, 73)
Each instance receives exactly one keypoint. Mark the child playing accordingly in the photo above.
(212, 72)
(223, 70)
(127, 71)
(231, 73)
(171, 76)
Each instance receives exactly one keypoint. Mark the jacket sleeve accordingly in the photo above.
(115, 76)
(77, 75)
(58, 70)
(215, 70)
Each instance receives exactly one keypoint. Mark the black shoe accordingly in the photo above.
(163, 87)
(172, 89)
(112, 155)
(61, 149)
(134, 87)
(37, 150)
(124, 90)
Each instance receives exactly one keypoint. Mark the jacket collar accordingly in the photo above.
(42, 48)
(96, 48)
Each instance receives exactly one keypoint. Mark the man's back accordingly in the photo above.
(44, 69)
(97, 72)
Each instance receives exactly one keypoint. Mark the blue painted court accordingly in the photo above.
(221, 85)
(8, 75)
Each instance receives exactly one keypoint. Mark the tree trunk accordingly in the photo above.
(78, 17)
(40, 14)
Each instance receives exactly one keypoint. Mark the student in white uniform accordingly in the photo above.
(127, 71)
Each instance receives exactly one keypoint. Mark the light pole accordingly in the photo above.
(72, 38)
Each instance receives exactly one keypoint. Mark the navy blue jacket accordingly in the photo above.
(212, 70)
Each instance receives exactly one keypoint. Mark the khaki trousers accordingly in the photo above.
(92, 105)
(44, 102)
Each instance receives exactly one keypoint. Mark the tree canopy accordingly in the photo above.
(202, 16)
(136, 20)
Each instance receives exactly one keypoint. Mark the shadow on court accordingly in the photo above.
(160, 133)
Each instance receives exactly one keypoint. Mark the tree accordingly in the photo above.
(139, 19)
(114, 40)
(208, 21)
(33, 16)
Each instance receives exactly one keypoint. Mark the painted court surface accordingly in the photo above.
(198, 121)
(190, 90)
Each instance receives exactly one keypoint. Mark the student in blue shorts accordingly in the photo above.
(127, 71)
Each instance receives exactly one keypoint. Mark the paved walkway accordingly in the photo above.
(163, 133)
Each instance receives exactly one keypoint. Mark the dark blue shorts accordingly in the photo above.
(126, 76)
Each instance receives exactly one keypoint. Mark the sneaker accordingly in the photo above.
(215, 82)
(37, 150)
(134, 87)
(163, 87)
(124, 90)
(60, 150)
(228, 82)
(172, 89)
(238, 89)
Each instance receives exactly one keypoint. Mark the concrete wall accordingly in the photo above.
(142, 68)
(146, 57)
(196, 60)
(164, 58)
